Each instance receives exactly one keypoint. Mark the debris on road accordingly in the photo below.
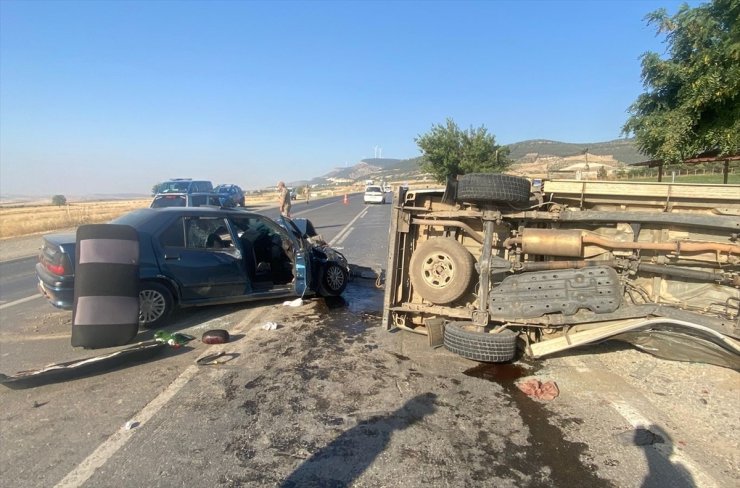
(178, 339)
(270, 326)
(82, 367)
(541, 391)
(215, 336)
(294, 303)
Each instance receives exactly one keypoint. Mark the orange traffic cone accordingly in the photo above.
(346, 199)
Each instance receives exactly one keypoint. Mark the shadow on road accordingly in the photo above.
(662, 471)
(349, 455)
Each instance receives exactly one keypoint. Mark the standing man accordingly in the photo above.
(283, 199)
(307, 191)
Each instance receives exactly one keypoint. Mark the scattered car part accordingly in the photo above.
(215, 336)
(83, 367)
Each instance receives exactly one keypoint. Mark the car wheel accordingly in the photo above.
(333, 280)
(493, 187)
(155, 304)
(441, 270)
(463, 339)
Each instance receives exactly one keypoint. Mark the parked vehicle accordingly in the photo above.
(202, 256)
(190, 200)
(374, 194)
(488, 265)
(185, 185)
(231, 194)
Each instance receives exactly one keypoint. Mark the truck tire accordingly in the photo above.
(479, 346)
(155, 304)
(493, 187)
(441, 270)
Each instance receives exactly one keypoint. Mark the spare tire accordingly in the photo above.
(462, 339)
(441, 270)
(493, 187)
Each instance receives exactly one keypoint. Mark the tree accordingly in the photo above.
(155, 189)
(59, 200)
(692, 99)
(602, 173)
(448, 151)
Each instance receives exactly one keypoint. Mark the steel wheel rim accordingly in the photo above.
(151, 306)
(438, 270)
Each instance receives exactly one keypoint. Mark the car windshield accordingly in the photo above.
(223, 189)
(373, 189)
(174, 186)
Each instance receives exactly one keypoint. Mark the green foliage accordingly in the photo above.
(448, 151)
(59, 200)
(692, 99)
(155, 189)
(601, 173)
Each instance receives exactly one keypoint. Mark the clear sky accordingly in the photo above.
(114, 96)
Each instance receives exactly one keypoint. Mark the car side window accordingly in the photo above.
(174, 235)
(207, 233)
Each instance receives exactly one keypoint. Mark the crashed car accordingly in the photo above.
(193, 256)
(487, 266)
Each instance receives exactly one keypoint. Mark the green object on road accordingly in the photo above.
(176, 339)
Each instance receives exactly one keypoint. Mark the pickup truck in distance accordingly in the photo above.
(487, 266)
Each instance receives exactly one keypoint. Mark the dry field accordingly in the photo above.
(22, 220)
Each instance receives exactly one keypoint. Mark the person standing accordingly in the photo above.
(307, 191)
(283, 199)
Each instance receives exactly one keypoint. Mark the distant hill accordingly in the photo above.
(533, 158)
(623, 150)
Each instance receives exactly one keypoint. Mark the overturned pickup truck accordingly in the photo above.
(489, 263)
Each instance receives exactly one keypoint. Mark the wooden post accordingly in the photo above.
(660, 172)
(726, 170)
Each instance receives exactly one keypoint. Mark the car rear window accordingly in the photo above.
(161, 201)
(373, 189)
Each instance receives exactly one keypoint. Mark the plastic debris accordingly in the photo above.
(131, 424)
(178, 339)
(536, 389)
(294, 303)
(270, 326)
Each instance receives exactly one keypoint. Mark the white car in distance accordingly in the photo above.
(374, 194)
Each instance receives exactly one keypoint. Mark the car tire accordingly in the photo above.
(441, 270)
(155, 304)
(486, 347)
(333, 280)
(493, 187)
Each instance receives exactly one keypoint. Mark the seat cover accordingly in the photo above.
(106, 290)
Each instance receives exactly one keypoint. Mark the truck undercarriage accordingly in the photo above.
(490, 263)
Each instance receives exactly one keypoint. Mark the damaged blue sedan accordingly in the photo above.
(206, 256)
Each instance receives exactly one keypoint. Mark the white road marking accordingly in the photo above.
(312, 209)
(19, 301)
(78, 476)
(667, 449)
(637, 420)
(347, 228)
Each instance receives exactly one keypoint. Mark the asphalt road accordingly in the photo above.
(331, 399)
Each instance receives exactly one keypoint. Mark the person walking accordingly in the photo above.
(283, 199)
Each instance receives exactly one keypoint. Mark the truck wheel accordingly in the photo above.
(441, 270)
(155, 304)
(493, 187)
(462, 339)
(333, 280)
